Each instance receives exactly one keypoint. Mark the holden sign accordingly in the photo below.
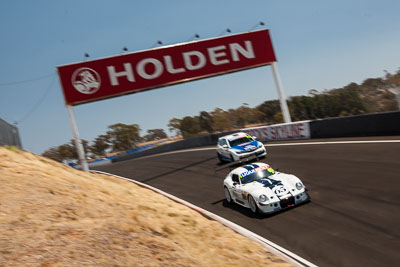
(134, 72)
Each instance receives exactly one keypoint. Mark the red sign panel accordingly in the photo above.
(134, 72)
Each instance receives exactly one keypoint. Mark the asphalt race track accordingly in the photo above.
(352, 220)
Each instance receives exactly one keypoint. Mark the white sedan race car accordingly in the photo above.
(237, 146)
(262, 189)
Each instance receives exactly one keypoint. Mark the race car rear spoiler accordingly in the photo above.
(237, 163)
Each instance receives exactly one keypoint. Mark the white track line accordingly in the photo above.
(335, 142)
(272, 247)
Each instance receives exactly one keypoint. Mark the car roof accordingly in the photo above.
(249, 167)
(234, 136)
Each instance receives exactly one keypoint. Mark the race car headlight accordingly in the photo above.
(262, 198)
(299, 186)
(239, 151)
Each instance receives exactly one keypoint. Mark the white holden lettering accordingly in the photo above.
(170, 66)
(192, 60)
(187, 58)
(158, 68)
(247, 53)
(214, 55)
(114, 75)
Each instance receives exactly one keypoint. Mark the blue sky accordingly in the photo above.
(319, 45)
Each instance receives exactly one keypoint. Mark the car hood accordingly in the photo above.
(277, 185)
(249, 146)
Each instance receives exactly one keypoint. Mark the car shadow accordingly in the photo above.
(219, 166)
(238, 163)
(247, 212)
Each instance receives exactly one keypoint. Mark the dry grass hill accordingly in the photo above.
(53, 215)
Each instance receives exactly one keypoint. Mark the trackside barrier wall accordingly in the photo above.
(208, 140)
(9, 135)
(283, 131)
(377, 124)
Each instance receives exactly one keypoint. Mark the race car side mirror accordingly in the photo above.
(224, 146)
(235, 183)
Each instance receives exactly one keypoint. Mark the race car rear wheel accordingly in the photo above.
(253, 205)
(220, 158)
(228, 195)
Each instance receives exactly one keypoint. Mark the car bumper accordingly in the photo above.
(282, 204)
(261, 152)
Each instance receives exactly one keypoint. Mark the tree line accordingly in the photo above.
(372, 95)
(119, 137)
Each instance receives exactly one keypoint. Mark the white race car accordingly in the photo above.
(262, 189)
(237, 146)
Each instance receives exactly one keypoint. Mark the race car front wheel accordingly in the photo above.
(253, 205)
(227, 195)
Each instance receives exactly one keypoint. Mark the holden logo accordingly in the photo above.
(280, 190)
(86, 81)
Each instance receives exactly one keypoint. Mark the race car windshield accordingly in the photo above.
(240, 141)
(257, 176)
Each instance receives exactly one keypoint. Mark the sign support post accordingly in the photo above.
(282, 98)
(78, 142)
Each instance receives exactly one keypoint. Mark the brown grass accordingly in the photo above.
(53, 215)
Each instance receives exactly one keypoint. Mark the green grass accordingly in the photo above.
(13, 148)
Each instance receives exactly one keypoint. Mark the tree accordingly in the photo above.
(189, 126)
(174, 126)
(373, 83)
(297, 108)
(244, 115)
(53, 153)
(313, 92)
(269, 109)
(392, 79)
(221, 120)
(100, 144)
(351, 103)
(206, 122)
(123, 136)
(155, 134)
(278, 117)
(67, 152)
(237, 118)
